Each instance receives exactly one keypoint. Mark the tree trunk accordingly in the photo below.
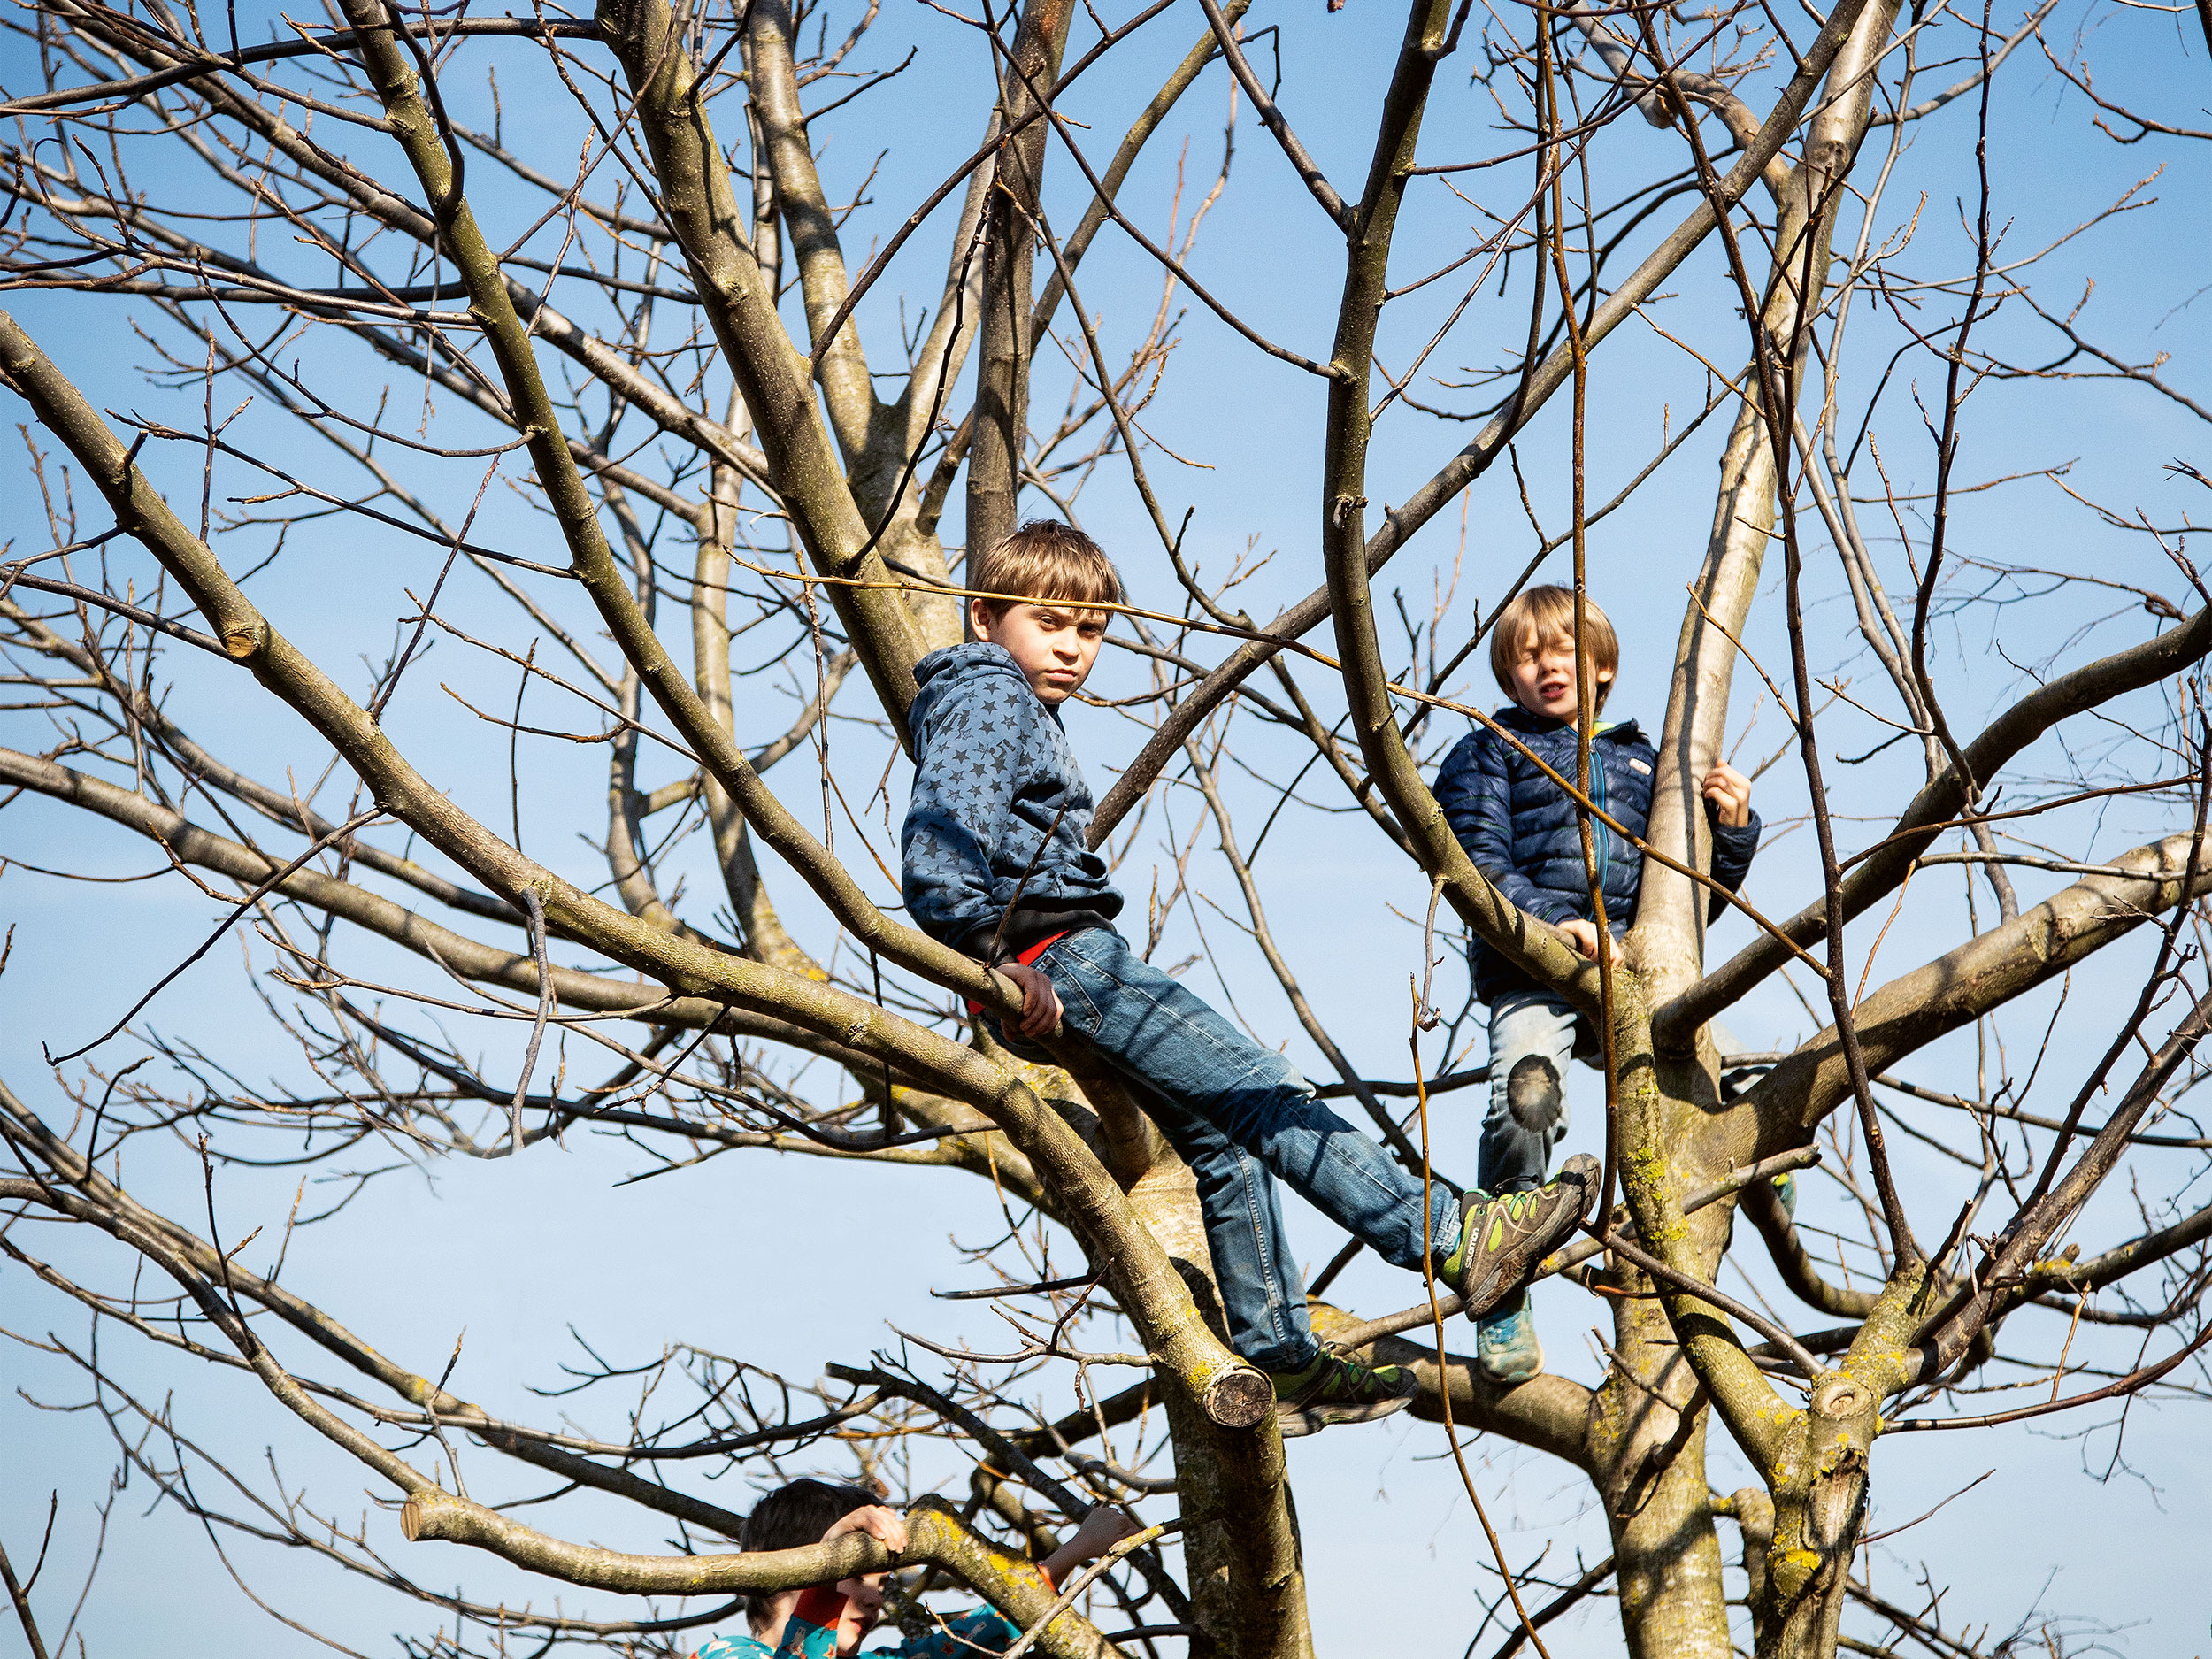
(1002, 404)
(1671, 1599)
(1819, 1505)
(1243, 1563)
(1671, 908)
(1649, 1420)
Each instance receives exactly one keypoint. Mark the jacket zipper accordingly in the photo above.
(1599, 833)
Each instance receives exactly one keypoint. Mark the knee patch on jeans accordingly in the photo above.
(1532, 1093)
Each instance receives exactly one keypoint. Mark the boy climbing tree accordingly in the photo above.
(996, 864)
(1500, 793)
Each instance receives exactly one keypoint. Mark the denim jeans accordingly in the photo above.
(1241, 1116)
(1533, 1036)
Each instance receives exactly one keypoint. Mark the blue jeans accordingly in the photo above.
(1241, 1116)
(1533, 1034)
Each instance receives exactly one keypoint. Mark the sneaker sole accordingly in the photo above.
(1525, 1365)
(1297, 1422)
(1513, 1265)
(1514, 1377)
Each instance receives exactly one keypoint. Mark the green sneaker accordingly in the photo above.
(1502, 1240)
(1335, 1388)
(1506, 1350)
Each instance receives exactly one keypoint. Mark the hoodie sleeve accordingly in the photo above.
(1477, 796)
(1732, 850)
(963, 796)
(983, 1630)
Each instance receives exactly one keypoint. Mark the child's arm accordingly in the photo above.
(1477, 795)
(1735, 830)
(1103, 1528)
(986, 1629)
(963, 794)
(1728, 796)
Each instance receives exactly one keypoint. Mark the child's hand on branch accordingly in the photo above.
(1041, 1004)
(1103, 1528)
(1583, 936)
(887, 1526)
(1728, 792)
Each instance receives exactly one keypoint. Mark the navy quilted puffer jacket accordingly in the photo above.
(994, 781)
(1519, 827)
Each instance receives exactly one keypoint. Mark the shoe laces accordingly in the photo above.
(1352, 1374)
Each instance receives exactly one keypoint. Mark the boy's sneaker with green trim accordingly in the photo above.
(1502, 1240)
(1506, 1350)
(1336, 1388)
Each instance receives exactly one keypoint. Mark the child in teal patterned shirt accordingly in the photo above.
(830, 1621)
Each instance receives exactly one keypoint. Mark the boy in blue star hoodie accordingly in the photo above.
(997, 863)
(1522, 832)
(831, 1621)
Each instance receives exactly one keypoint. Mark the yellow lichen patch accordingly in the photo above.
(1785, 1417)
(1790, 1571)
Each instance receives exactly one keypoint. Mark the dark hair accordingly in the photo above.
(1044, 561)
(796, 1514)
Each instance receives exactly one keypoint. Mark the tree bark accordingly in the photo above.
(1671, 909)
(999, 450)
(1244, 1569)
(771, 375)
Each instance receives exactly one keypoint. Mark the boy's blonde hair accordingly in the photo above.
(1045, 561)
(1540, 614)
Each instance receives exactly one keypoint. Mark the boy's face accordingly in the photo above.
(1544, 678)
(1053, 645)
(863, 1605)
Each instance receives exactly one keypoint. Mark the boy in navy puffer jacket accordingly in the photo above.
(997, 863)
(1522, 831)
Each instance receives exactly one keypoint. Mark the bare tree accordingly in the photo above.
(384, 305)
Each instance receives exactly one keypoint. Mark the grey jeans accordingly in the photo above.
(1532, 1035)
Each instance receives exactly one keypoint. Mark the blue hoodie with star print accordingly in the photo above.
(994, 850)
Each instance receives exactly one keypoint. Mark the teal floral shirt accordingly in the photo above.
(811, 1633)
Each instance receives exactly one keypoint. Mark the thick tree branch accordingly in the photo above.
(1152, 1292)
(772, 374)
(839, 364)
(1983, 974)
(1879, 870)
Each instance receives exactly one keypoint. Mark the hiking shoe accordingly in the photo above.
(1336, 1388)
(1506, 1350)
(1502, 1240)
